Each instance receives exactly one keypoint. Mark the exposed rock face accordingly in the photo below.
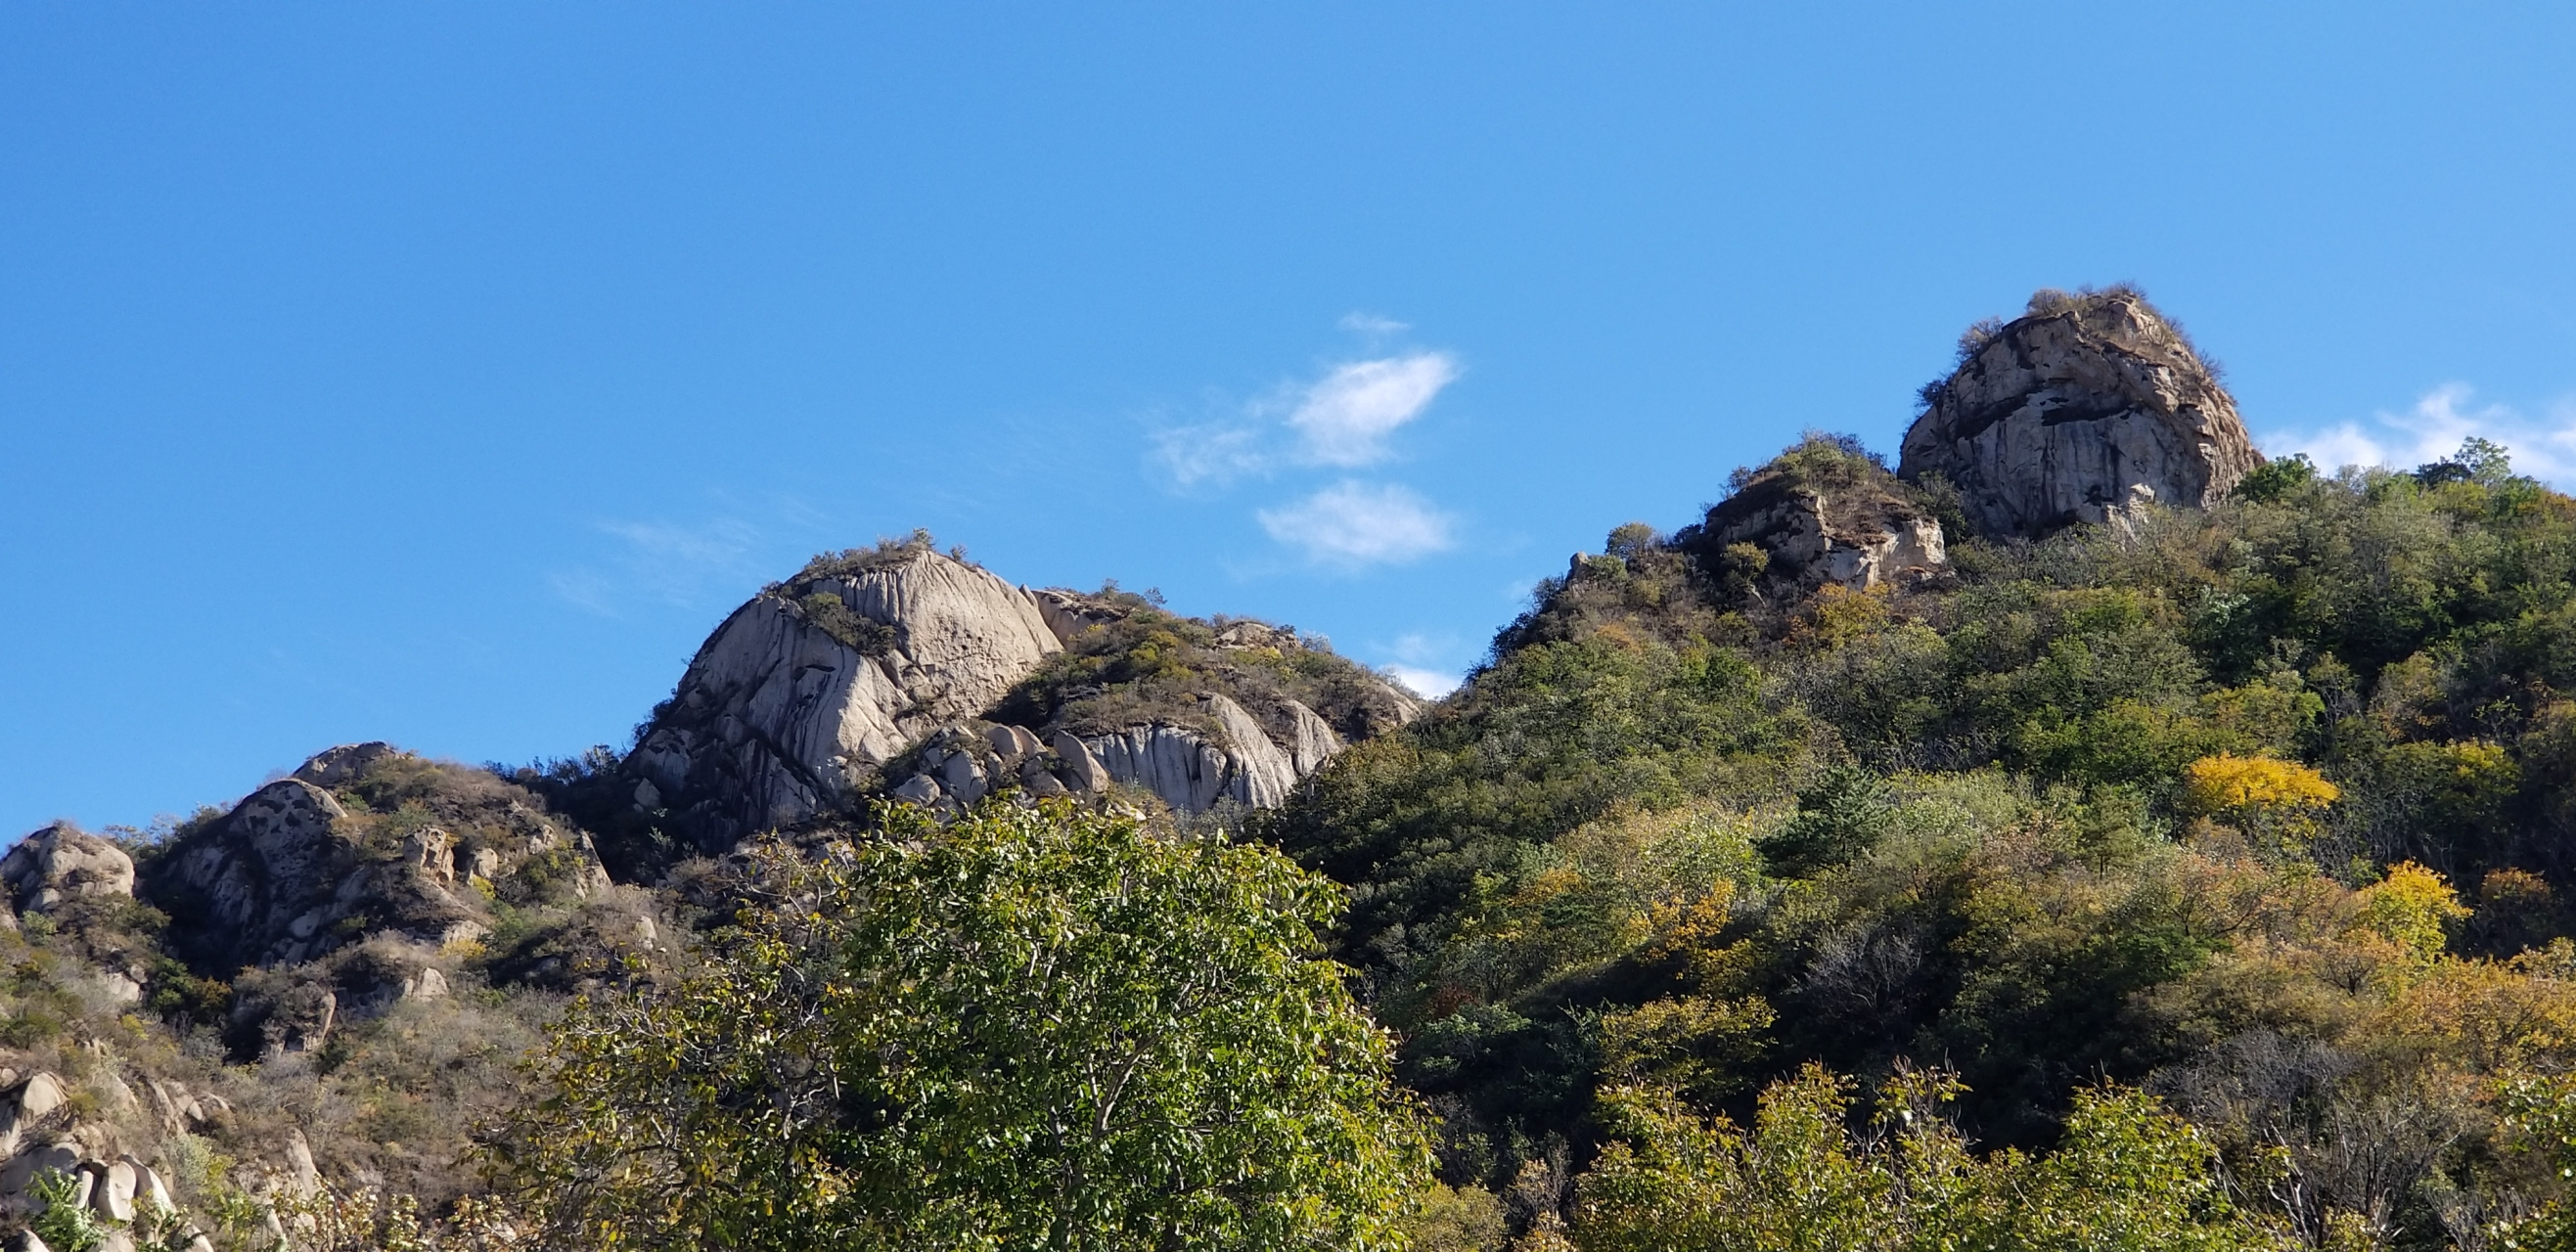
(1856, 538)
(62, 863)
(2079, 411)
(1192, 773)
(333, 767)
(812, 684)
(268, 871)
(1188, 769)
(282, 879)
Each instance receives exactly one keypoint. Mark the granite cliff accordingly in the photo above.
(2084, 407)
(907, 672)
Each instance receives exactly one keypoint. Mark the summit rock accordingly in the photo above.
(2079, 411)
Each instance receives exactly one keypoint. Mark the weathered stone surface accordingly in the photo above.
(779, 719)
(40, 1095)
(1191, 772)
(2082, 409)
(60, 1156)
(113, 1197)
(1083, 771)
(1258, 773)
(1857, 537)
(60, 863)
(1311, 740)
(261, 874)
(1067, 614)
(1188, 772)
(335, 767)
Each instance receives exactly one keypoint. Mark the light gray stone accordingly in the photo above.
(333, 767)
(2083, 408)
(1084, 770)
(777, 721)
(962, 776)
(1190, 772)
(61, 862)
(113, 1197)
(1311, 740)
(40, 1095)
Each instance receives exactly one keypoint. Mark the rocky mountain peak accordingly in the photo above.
(2082, 408)
(903, 671)
(795, 700)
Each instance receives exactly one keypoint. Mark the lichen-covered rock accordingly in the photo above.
(61, 863)
(2082, 410)
(802, 692)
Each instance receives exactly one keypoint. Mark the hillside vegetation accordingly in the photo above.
(2264, 808)
(2185, 862)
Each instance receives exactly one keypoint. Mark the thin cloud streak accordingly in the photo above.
(1353, 524)
(666, 562)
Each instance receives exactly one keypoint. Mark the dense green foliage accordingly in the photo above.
(1024, 1029)
(2180, 803)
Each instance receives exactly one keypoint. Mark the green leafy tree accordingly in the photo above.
(2128, 1175)
(1026, 1029)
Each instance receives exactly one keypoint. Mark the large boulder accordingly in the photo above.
(61, 863)
(804, 691)
(1222, 754)
(291, 875)
(257, 885)
(2082, 410)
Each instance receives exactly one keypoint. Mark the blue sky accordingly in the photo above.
(444, 373)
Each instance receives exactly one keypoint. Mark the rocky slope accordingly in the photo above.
(334, 977)
(2080, 409)
(1823, 512)
(905, 672)
(795, 700)
(346, 963)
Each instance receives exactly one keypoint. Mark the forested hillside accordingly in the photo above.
(2085, 834)
(2262, 807)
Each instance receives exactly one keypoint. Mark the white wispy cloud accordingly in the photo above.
(668, 562)
(1373, 324)
(1424, 664)
(1353, 524)
(1216, 452)
(1430, 684)
(2543, 447)
(1343, 419)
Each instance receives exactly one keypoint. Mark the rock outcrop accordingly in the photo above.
(62, 863)
(1824, 512)
(2081, 410)
(38, 1139)
(802, 692)
(315, 913)
(1854, 538)
(1188, 769)
(910, 674)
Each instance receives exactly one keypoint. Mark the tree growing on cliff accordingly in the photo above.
(1045, 1029)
